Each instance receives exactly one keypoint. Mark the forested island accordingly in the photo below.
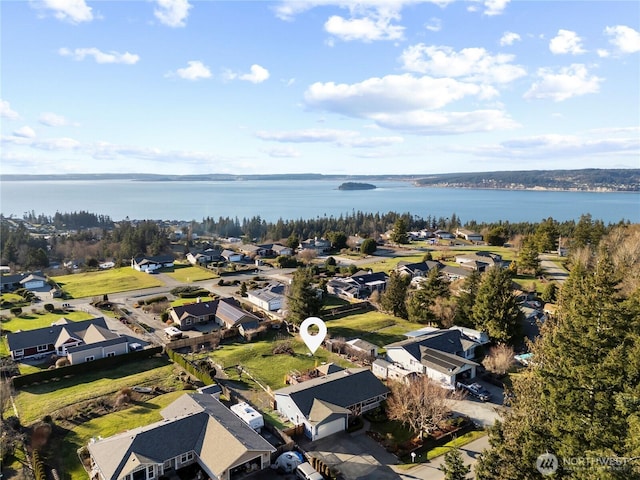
(356, 186)
(591, 179)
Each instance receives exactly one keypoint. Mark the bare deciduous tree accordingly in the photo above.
(445, 311)
(307, 255)
(499, 360)
(420, 403)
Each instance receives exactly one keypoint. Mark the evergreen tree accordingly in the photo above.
(302, 299)
(393, 299)
(418, 306)
(546, 235)
(369, 246)
(550, 293)
(528, 260)
(399, 233)
(495, 310)
(454, 467)
(466, 299)
(580, 398)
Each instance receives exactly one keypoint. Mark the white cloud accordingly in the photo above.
(373, 142)
(399, 93)
(625, 39)
(494, 7)
(25, 132)
(474, 64)
(346, 138)
(195, 70)
(434, 25)
(282, 152)
(446, 123)
(52, 120)
(366, 29)
(508, 38)
(172, 13)
(602, 53)
(565, 42)
(258, 74)
(99, 56)
(571, 81)
(7, 112)
(72, 11)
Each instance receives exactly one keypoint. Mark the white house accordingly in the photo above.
(323, 405)
(150, 264)
(270, 298)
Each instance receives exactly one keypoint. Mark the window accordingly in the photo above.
(185, 457)
(18, 353)
(89, 359)
(43, 348)
(150, 471)
(111, 354)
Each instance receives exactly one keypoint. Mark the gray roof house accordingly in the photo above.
(419, 269)
(9, 283)
(322, 405)
(197, 429)
(226, 312)
(79, 341)
(443, 355)
(270, 298)
(151, 263)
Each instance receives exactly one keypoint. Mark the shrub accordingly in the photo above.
(16, 311)
(283, 347)
(62, 362)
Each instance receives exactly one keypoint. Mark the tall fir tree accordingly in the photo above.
(454, 467)
(495, 310)
(466, 299)
(302, 300)
(393, 299)
(580, 398)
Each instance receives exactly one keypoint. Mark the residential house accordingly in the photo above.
(28, 280)
(442, 355)
(80, 342)
(278, 250)
(320, 245)
(455, 273)
(231, 256)
(417, 270)
(152, 263)
(203, 257)
(480, 261)
(359, 285)
(225, 312)
(443, 234)
(323, 405)
(469, 235)
(196, 429)
(270, 298)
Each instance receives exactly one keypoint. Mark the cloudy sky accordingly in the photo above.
(323, 86)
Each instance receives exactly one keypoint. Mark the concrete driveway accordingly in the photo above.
(355, 456)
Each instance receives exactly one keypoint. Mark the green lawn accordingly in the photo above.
(36, 401)
(11, 298)
(269, 369)
(189, 273)
(32, 321)
(139, 414)
(331, 301)
(375, 327)
(183, 301)
(387, 264)
(92, 284)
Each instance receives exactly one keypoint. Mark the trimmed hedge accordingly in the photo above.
(22, 380)
(191, 368)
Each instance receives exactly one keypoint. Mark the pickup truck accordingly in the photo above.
(475, 390)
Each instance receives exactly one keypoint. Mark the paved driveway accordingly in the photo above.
(356, 456)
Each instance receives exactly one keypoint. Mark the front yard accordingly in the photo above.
(189, 273)
(375, 327)
(31, 321)
(93, 284)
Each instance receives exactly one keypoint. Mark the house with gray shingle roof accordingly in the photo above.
(270, 298)
(196, 429)
(226, 312)
(323, 404)
(80, 342)
(442, 355)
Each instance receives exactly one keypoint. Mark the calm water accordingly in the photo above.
(275, 199)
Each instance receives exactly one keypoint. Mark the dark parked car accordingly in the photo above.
(476, 390)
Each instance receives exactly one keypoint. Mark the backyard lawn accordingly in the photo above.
(35, 401)
(92, 284)
(189, 273)
(269, 369)
(31, 321)
(375, 327)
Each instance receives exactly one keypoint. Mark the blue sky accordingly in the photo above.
(322, 86)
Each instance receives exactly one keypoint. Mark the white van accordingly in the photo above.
(305, 471)
(172, 333)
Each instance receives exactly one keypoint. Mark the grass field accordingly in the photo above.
(92, 284)
(183, 301)
(140, 414)
(189, 273)
(375, 327)
(36, 401)
(32, 321)
(271, 369)
(387, 264)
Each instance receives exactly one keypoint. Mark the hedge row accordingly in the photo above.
(194, 370)
(22, 380)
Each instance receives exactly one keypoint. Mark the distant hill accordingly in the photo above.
(356, 186)
(609, 180)
(625, 180)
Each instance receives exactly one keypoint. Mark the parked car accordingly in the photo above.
(475, 390)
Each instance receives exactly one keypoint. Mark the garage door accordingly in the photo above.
(330, 428)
